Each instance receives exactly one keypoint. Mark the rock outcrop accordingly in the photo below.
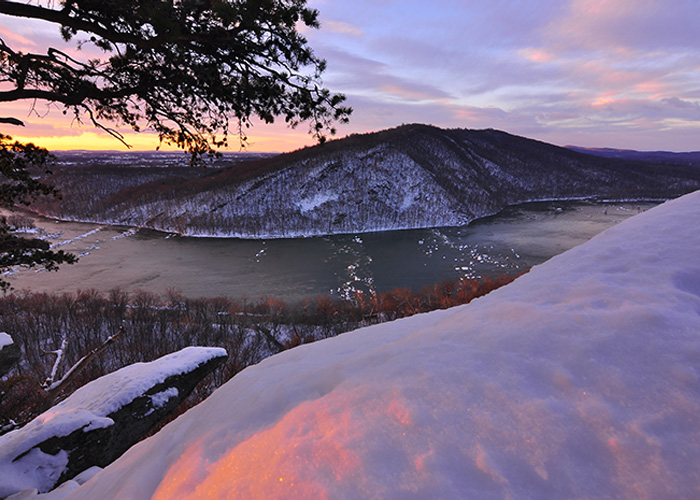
(100, 421)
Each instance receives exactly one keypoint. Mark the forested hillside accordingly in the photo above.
(409, 177)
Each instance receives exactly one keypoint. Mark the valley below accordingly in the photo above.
(258, 257)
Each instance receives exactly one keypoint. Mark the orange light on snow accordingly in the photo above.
(313, 449)
(296, 458)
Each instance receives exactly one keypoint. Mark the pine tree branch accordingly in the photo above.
(55, 389)
(11, 121)
(64, 18)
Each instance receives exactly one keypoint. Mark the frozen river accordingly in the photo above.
(120, 257)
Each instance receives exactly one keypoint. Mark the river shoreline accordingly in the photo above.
(143, 259)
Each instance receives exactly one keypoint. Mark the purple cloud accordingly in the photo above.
(577, 69)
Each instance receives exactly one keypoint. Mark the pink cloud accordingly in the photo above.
(625, 27)
(342, 28)
(16, 40)
(536, 55)
(410, 91)
(654, 89)
(607, 8)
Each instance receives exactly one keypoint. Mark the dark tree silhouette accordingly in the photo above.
(191, 70)
(185, 68)
(20, 164)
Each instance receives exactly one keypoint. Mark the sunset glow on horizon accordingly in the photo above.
(95, 140)
(592, 73)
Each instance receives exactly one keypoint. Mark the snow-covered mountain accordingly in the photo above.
(409, 177)
(578, 380)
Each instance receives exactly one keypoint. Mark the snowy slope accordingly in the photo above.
(579, 380)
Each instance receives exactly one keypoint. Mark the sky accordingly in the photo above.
(592, 73)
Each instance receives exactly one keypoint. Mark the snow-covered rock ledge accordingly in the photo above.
(100, 421)
(578, 380)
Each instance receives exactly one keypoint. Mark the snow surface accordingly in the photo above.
(578, 380)
(87, 408)
(61, 492)
(308, 204)
(5, 340)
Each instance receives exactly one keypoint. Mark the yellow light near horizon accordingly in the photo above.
(59, 133)
(94, 141)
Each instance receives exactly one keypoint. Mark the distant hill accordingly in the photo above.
(689, 158)
(407, 177)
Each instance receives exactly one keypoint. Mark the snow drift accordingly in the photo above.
(579, 380)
